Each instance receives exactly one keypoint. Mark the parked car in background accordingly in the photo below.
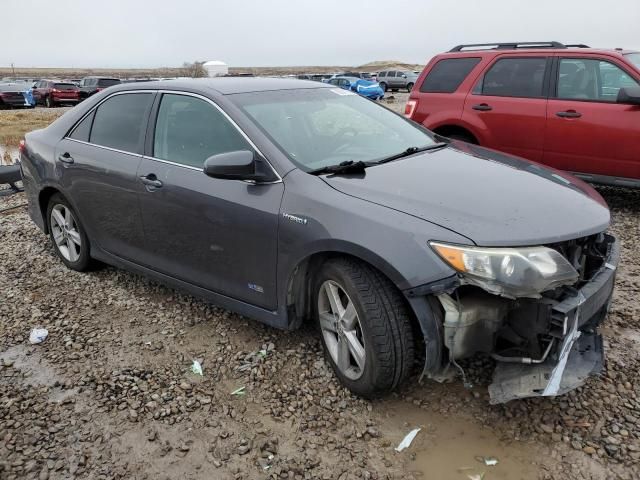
(52, 93)
(365, 88)
(396, 79)
(288, 201)
(568, 106)
(16, 95)
(92, 85)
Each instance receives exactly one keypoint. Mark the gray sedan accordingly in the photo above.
(291, 201)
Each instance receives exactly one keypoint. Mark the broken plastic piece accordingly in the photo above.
(38, 335)
(197, 368)
(406, 441)
(238, 391)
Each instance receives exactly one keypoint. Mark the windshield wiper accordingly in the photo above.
(348, 166)
(411, 151)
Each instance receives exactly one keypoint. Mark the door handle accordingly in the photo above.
(65, 158)
(483, 107)
(151, 180)
(569, 114)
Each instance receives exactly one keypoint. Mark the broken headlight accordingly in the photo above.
(512, 272)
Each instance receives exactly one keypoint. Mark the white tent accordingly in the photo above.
(215, 68)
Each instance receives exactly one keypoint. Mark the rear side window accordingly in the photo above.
(189, 130)
(119, 121)
(83, 129)
(382, 74)
(108, 82)
(447, 75)
(515, 77)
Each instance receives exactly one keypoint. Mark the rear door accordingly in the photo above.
(587, 131)
(507, 106)
(217, 234)
(98, 162)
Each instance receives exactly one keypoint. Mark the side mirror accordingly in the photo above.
(404, 76)
(238, 165)
(629, 95)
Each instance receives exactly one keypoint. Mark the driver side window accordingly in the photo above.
(591, 79)
(189, 130)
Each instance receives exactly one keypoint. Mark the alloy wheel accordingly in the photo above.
(341, 329)
(66, 235)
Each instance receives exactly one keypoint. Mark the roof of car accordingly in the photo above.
(226, 85)
(520, 51)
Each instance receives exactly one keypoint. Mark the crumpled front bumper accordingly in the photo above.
(580, 354)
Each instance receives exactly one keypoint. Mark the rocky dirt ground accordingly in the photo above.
(110, 394)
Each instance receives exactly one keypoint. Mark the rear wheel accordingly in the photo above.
(49, 102)
(365, 327)
(67, 234)
(462, 137)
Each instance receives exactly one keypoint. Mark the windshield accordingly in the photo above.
(108, 82)
(64, 86)
(320, 127)
(634, 58)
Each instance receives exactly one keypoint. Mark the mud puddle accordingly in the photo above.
(454, 448)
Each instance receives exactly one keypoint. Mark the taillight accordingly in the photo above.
(410, 107)
(55, 90)
(99, 89)
(22, 146)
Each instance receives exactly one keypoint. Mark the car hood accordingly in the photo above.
(494, 199)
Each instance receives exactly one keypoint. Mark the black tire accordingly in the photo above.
(48, 101)
(383, 86)
(83, 261)
(385, 323)
(409, 87)
(394, 89)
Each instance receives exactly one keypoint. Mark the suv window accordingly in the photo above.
(64, 86)
(190, 130)
(119, 121)
(447, 75)
(382, 74)
(515, 77)
(591, 79)
(107, 82)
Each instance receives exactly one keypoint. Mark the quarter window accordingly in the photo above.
(190, 130)
(447, 75)
(515, 77)
(120, 120)
(83, 129)
(591, 79)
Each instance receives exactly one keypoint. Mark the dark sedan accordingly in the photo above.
(289, 201)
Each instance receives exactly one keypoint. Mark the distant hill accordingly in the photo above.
(380, 65)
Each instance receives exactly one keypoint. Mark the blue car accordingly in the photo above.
(362, 87)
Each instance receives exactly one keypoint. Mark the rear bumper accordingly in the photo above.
(580, 352)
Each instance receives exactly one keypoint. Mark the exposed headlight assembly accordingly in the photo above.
(511, 272)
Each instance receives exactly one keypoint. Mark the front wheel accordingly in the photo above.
(365, 327)
(409, 87)
(383, 86)
(49, 102)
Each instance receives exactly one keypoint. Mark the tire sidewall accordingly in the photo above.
(84, 260)
(361, 386)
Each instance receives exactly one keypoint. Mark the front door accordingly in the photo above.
(97, 164)
(217, 234)
(508, 106)
(587, 131)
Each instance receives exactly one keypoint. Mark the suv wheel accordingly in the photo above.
(67, 235)
(365, 326)
(49, 102)
(409, 87)
(383, 86)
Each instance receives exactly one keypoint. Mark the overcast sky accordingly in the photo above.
(156, 33)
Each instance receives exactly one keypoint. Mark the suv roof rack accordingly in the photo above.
(512, 45)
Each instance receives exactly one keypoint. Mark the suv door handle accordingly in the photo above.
(151, 180)
(483, 107)
(569, 114)
(65, 158)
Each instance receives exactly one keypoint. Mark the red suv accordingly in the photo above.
(571, 107)
(52, 93)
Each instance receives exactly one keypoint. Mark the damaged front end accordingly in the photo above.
(534, 310)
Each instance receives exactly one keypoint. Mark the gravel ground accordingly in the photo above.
(110, 393)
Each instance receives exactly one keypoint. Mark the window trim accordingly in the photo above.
(553, 91)
(546, 78)
(151, 127)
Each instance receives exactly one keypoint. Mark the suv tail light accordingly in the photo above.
(410, 107)
(55, 90)
(22, 146)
